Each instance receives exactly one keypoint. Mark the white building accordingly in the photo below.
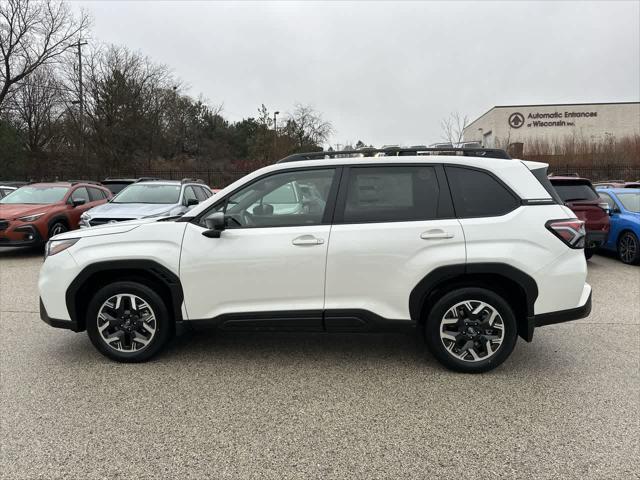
(504, 125)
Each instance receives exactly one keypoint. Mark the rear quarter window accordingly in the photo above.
(479, 194)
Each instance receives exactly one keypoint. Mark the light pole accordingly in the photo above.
(275, 131)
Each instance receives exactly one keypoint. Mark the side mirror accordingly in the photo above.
(78, 202)
(215, 225)
(192, 201)
(613, 210)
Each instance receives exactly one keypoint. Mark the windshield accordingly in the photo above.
(575, 191)
(36, 195)
(148, 193)
(631, 201)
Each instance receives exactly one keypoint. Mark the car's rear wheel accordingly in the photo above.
(128, 322)
(629, 248)
(57, 228)
(471, 330)
(588, 252)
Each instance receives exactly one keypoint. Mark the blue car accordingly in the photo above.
(624, 208)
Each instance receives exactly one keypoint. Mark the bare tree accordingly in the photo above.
(36, 109)
(32, 34)
(307, 127)
(453, 128)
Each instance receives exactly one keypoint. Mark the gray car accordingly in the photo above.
(158, 198)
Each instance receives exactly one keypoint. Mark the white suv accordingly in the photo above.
(469, 251)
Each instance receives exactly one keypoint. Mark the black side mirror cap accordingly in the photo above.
(215, 225)
(78, 202)
(192, 201)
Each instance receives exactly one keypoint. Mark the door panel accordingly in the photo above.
(374, 266)
(253, 270)
(393, 227)
(270, 258)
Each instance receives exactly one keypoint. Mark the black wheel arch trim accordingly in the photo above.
(439, 276)
(161, 273)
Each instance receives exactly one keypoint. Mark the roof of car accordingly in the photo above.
(159, 182)
(565, 178)
(618, 190)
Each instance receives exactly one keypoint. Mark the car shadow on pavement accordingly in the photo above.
(20, 252)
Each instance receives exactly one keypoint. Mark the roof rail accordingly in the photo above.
(398, 152)
(147, 179)
(75, 182)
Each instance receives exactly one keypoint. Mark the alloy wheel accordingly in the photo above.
(126, 323)
(57, 229)
(472, 330)
(628, 248)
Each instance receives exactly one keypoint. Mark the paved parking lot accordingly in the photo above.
(320, 406)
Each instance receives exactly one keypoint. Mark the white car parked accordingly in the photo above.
(469, 251)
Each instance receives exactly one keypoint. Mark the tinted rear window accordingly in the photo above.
(479, 194)
(574, 191)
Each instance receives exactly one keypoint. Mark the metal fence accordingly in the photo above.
(220, 178)
(599, 173)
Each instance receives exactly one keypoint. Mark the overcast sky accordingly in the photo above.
(385, 73)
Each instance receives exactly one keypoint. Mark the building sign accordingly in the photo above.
(547, 119)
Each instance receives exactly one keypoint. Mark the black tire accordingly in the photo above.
(162, 323)
(437, 313)
(57, 228)
(629, 248)
(588, 253)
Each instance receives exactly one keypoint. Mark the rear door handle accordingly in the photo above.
(436, 235)
(303, 240)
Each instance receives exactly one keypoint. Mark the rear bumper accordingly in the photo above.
(560, 316)
(595, 239)
(55, 322)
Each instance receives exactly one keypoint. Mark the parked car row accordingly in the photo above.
(611, 213)
(33, 213)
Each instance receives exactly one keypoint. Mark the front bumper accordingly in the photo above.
(21, 236)
(595, 239)
(55, 322)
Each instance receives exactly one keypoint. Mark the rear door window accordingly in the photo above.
(479, 194)
(391, 194)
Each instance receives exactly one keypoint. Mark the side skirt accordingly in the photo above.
(342, 321)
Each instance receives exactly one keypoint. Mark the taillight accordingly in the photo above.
(571, 232)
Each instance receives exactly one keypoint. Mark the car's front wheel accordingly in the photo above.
(471, 330)
(629, 248)
(128, 322)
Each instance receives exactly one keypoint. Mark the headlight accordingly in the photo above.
(163, 214)
(31, 218)
(57, 246)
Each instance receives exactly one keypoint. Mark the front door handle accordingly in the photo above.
(307, 240)
(436, 234)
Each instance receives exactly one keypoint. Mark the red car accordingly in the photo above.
(34, 213)
(579, 195)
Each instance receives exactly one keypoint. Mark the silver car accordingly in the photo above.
(157, 198)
